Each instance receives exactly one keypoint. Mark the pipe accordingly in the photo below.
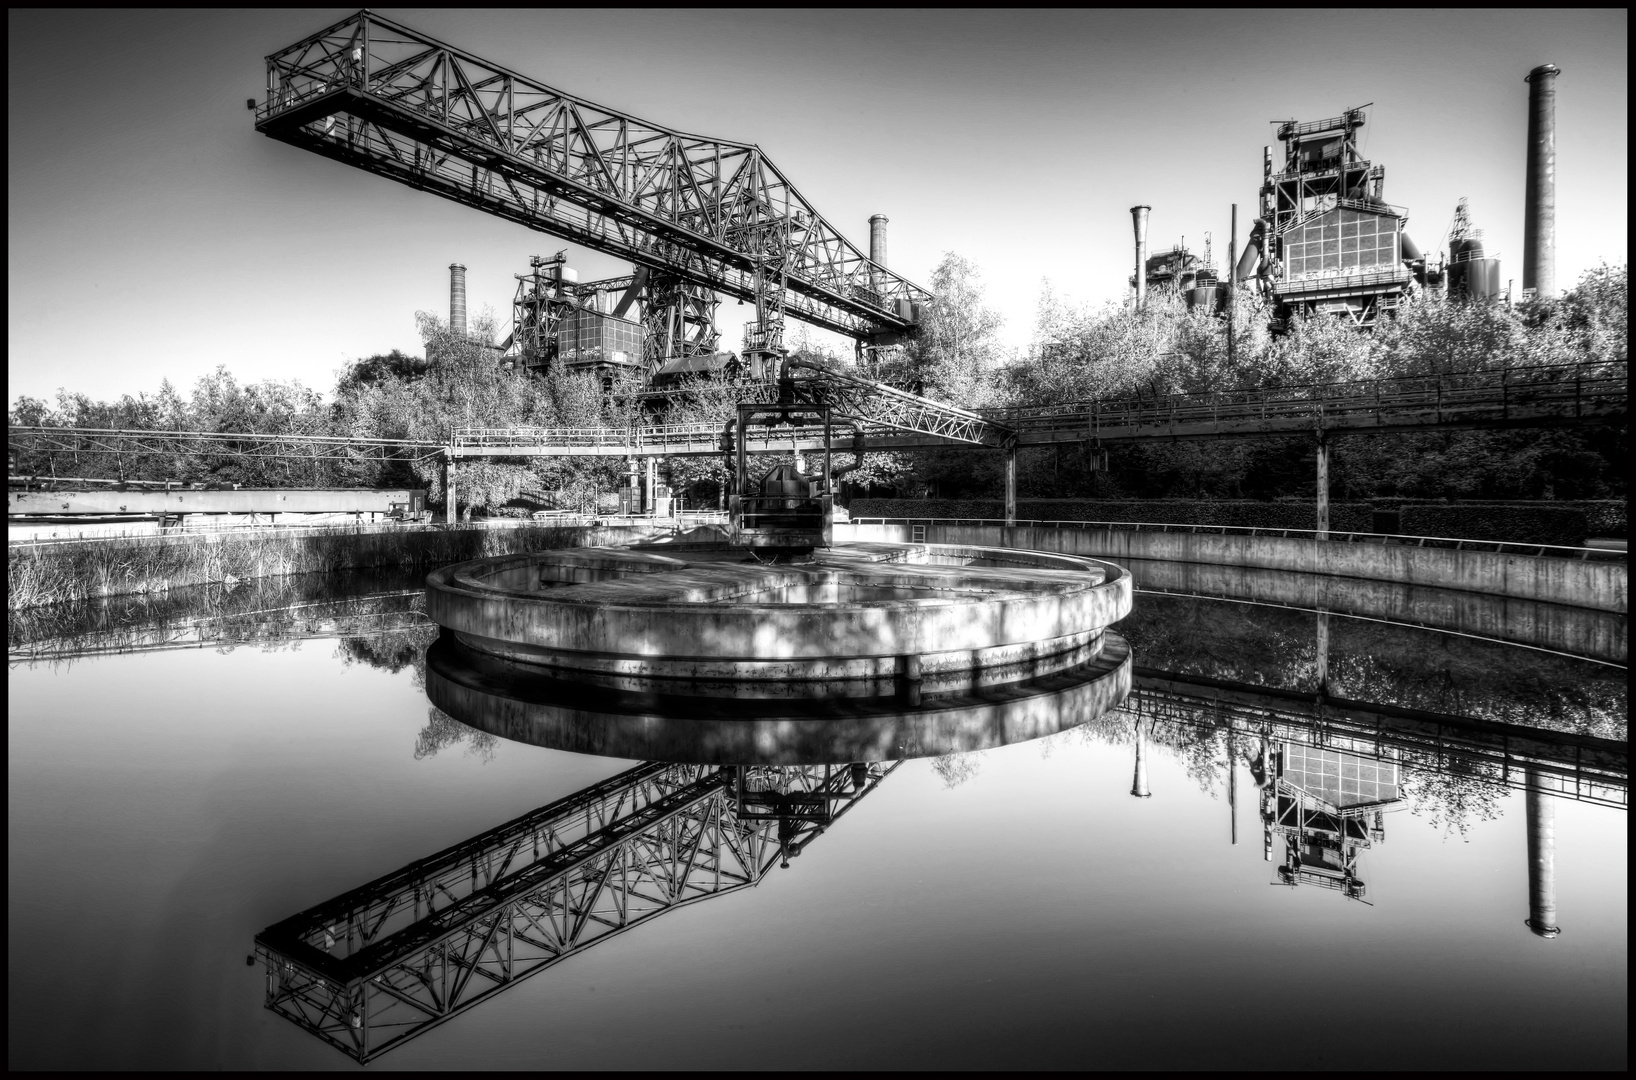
(1138, 220)
(1539, 207)
(877, 247)
(457, 300)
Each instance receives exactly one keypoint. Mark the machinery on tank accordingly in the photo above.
(788, 511)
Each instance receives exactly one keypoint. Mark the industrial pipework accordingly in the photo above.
(1539, 220)
(457, 300)
(1138, 220)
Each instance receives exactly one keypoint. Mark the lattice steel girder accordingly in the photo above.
(878, 404)
(131, 442)
(519, 898)
(372, 93)
(684, 847)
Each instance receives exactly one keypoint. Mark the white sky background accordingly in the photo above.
(153, 233)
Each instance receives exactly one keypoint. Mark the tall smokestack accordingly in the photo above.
(1138, 220)
(457, 300)
(877, 247)
(1539, 221)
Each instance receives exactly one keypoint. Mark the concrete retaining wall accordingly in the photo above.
(1599, 586)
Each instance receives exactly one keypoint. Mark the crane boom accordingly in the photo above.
(371, 93)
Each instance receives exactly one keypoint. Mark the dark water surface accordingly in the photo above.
(188, 771)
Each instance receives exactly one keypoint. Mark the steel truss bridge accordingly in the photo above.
(392, 959)
(373, 94)
(378, 965)
(884, 418)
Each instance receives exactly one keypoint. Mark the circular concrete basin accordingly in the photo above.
(860, 620)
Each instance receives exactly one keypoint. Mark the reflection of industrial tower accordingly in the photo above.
(1138, 780)
(1329, 808)
(1325, 240)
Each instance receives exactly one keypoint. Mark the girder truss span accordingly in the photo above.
(374, 94)
(394, 958)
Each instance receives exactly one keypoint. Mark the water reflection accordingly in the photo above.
(1330, 724)
(387, 961)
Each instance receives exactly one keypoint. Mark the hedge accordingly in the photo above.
(1521, 523)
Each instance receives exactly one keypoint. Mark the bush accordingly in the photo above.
(1519, 524)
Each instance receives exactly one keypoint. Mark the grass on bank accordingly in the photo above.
(39, 574)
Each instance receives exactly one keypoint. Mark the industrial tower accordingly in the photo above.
(1325, 240)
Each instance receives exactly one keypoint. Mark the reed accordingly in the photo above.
(38, 574)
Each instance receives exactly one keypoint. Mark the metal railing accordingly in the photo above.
(1345, 536)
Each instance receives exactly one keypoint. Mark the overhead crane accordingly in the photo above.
(376, 95)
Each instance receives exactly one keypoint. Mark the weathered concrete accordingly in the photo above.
(1598, 586)
(1601, 635)
(513, 702)
(243, 501)
(856, 621)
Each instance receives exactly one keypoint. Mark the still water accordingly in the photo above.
(186, 772)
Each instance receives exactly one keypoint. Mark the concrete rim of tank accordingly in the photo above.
(688, 613)
(492, 696)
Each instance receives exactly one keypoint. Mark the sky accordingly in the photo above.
(154, 234)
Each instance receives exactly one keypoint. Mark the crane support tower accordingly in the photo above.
(1326, 241)
(696, 213)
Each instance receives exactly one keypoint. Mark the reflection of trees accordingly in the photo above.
(1464, 677)
(1264, 646)
(1453, 797)
(1380, 663)
(392, 650)
(443, 731)
(268, 612)
(956, 769)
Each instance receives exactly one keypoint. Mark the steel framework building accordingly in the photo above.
(1326, 241)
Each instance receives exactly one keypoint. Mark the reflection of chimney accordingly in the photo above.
(877, 247)
(1539, 206)
(1138, 220)
(457, 300)
(1138, 782)
(1541, 860)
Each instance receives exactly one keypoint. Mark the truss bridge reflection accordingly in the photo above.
(376, 966)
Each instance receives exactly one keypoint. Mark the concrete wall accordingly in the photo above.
(244, 501)
(1599, 586)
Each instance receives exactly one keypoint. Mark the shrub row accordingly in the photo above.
(1520, 523)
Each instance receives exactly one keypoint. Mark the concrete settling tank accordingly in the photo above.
(871, 651)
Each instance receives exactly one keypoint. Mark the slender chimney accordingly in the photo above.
(457, 300)
(1138, 781)
(1541, 859)
(1138, 220)
(1539, 220)
(877, 247)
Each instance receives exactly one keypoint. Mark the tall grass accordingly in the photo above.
(48, 573)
